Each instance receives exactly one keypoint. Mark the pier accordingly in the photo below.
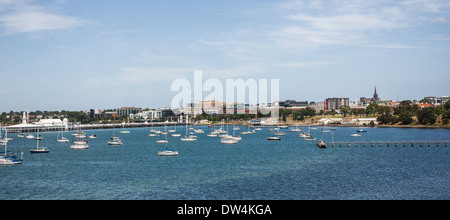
(31, 128)
(389, 144)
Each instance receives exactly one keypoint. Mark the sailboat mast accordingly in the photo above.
(6, 142)
(37, 139)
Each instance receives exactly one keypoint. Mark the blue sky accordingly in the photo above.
(80, 54)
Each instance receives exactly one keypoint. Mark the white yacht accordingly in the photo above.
(168, 152)
(189, 138)
(62, 139)
(115, 141)
(228, 140)
(80, 145)
(162, 141)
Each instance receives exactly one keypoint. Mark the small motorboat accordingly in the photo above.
(321, 144)
(274, 138)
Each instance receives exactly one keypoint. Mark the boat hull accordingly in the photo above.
(229, 141)
(188, 139)
(39, 151)
(6, 162)
(168, 153)
(63, 141)
(321, 144)
(79, 146)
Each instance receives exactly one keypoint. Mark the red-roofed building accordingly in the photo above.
(425, 105)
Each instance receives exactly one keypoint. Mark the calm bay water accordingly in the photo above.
(253, 169)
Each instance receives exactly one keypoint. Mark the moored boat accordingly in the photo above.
(274, 138)
(9, 158)
(80, 146)
(168, 152)
(39, 150)
(229, 140)
(321, 144)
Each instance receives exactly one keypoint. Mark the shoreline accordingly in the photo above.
(160, 124)
(415, 126)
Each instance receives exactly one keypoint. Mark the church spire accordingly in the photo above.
(375, 95)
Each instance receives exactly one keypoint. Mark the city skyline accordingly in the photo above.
(75, 55)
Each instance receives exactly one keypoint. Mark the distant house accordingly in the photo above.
(425, 105)
(364, 121)
(292, 104)
(328, 121)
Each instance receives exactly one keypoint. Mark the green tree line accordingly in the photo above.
(406, 110)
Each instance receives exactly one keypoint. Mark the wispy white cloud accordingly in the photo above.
(353, 22)
(435, 6)
(26, 17)
(306, 25)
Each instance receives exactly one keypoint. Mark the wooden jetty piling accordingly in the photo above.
(389, 143)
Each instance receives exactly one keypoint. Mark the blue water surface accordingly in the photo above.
(253, 169)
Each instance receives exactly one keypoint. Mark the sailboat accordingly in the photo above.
(162, 141)
(79, 143)
(188, 137)
(115, 140)
(62, 139)
(39, 150)
(212, 133)
(173, 130)
(168, 152)
(123, 131)
(238, 138)
(176, 135)
(38, 136)
(296, 129)
(9, 158)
